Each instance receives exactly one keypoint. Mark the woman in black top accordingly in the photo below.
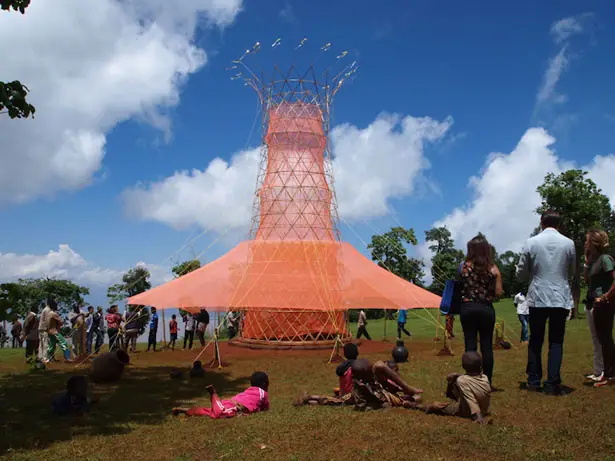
(481, 285)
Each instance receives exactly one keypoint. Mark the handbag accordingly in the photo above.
(451, 297)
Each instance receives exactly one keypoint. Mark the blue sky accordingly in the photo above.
(481, 63)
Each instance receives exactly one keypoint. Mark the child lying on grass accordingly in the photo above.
(470, 393)
(75, 400)
(374, 386)
(252, 400)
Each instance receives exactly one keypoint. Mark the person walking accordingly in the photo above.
(481, 284)
(547, 262)
(402, 318)
(362, 324)
(16, 330)
(600, 277)
(523, 312)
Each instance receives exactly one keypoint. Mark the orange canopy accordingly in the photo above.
(294, 275)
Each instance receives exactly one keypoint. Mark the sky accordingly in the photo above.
(144, 151)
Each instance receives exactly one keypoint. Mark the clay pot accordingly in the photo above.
(400, 353)
(108, 367)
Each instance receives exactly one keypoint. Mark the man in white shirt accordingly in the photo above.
(548, 262)
(362, 323)
(523, 312)
(43, 334)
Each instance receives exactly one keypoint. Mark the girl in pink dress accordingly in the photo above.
(252, 400)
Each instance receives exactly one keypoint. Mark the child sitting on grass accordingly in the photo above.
(344, 370)
(75, 400)
(252, 400)
(374, 386)
(471, 392)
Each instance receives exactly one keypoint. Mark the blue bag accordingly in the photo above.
(451, 297)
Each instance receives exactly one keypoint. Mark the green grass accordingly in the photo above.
(132, 421)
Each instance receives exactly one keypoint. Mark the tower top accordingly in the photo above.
(308, 85)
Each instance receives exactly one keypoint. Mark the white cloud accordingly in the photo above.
(561, 32)
(66, 263)
(385, 159)
(563, 29)
(91, 64)
(505, 197)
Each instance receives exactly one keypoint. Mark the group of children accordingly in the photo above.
(367, 385)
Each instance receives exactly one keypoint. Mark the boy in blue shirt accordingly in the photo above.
(153, 330)
(402, 317)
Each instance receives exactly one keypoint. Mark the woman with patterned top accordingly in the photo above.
(481, 285)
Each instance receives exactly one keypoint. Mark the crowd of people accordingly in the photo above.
(83, 332)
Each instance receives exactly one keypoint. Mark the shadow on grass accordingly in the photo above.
(143, 396)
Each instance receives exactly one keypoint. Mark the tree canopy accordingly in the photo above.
(446, 258)
(389, 250)
(13, 94)
(18, 298)
(582, 206)
(186, 267)
(135, 281)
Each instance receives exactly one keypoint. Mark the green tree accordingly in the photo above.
(582, 206)
(17, 298)
(13, 94)
(446, 258)
(507, 263)
(186, 267)
(135, 281)
(389, 250)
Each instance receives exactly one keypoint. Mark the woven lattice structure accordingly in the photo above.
(295, 214)
(294, 280)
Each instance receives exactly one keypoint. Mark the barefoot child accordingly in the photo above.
(75, 400)
(471, 392)
(344, 370)
(173, 331)
(375, 386)
(252, 400)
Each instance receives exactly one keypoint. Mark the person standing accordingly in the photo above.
(600, 277)
(131, 328)
(43, 334)
(153, 330)
(113, 327)
(362, 324)
(202, 320)
(16, 330)
(402, 318)
(173, 331)
(98, 325)
(55, 337)
(89, 329)
(523, 312)
(30, 333)
(77, 321)
(547, 262)
(188, 330)
(481, 284)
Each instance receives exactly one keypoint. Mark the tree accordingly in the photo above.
(446, 258)
(186, 267)
(582, 206)
(390, 252)
(17, 298)
(507, 263)
(135, 281)
(13, 94)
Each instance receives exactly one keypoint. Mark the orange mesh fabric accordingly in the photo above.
(299, 275)
(286, 325)
(295, 199)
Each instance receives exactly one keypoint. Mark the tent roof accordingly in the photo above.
(295, 275)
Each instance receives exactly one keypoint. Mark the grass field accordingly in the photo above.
(132, 420)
